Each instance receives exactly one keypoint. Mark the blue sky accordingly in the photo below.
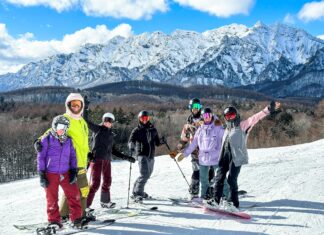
(63, 25)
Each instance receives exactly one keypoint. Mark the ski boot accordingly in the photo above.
(108, 205)
(137, 198)
(211, 203)
(229, 206)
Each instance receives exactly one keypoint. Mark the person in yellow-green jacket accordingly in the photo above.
(78, 132)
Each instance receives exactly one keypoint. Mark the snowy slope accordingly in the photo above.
(286, 182)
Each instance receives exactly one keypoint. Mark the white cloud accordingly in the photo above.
(289, 19)
(14, 52)
(220, 8)
(312, 11)
(321, 37)
(59, 5)
(132, 9)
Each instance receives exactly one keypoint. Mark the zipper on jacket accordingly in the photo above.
(61, 147)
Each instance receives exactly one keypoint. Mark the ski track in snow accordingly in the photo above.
(285, 182)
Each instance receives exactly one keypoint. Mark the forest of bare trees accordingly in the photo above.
(22, 123)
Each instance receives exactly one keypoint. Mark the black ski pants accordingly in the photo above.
(226, 164)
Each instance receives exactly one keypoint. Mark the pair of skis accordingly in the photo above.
(197, 202)
(115, 215)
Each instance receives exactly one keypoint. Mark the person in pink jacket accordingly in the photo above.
(234, 153)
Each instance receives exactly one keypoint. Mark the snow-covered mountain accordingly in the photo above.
(286, 183)
(232, 55)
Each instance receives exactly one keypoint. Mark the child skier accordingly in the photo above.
(208, 139)
(56, 164)
(234, 153)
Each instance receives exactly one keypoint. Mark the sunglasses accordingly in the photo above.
(196, 106)
(75, 103)
(144, 118)
(108, 119)
(230, 116)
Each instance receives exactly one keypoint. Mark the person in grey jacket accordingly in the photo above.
(234, 152)
(142, 142)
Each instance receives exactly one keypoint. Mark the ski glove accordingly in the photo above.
(274, 108)
(43, 180)
(173, 153)
(86, 102)
(130, 159)
(73, 176)
(38, 146)
(91, 157)
(180, 156)
(163, 140)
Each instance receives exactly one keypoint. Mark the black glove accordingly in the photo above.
(38, 146)
(163, 140)
(272, 106)
(73, 176)
(86, 102)
(91, 157)
(273, 109)
(130, 159)
(125, 157)
(43, 180)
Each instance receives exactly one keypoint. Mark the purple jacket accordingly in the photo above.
(208, 138)
(56, 157)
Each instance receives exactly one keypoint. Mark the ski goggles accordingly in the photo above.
(230, 116)
(196, 106)
(75, 103)
(61, 126)
(144, 118)
(207, 115)
(108, 119)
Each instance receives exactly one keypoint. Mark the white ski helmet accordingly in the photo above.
(108, 115)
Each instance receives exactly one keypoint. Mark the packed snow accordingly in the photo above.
(286, 183)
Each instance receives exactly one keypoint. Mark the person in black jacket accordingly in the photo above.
(142, 142)
(102, 147)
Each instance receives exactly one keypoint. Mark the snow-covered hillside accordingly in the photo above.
(232, 55)
(286, 183)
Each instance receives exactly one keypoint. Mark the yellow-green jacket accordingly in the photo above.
(78, 131)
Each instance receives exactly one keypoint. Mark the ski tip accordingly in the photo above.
(154, 208)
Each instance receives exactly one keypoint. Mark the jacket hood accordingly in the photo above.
(74, 96)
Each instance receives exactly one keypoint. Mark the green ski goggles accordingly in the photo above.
(196, 106)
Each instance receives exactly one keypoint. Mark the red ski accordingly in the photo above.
(239, 214)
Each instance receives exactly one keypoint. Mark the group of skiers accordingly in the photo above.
(64, 157)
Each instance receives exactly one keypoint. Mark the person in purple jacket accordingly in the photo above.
(56, 164)
(208, 138)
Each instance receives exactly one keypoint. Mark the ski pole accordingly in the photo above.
(166, 144)
(129, 180)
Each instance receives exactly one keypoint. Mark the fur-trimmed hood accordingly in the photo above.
(74, 96)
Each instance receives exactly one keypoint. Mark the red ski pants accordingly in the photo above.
(71, 192)
(97, 169)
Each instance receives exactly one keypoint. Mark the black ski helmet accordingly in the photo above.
(207, 110)
(236, 115)
(143, 113)
(194, 101)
